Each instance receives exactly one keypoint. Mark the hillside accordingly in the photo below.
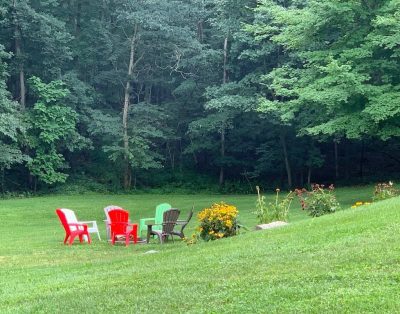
(345, 262)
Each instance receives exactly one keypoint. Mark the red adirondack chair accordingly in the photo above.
(72, 229)
(120, 226)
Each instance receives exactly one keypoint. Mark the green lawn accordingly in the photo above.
(345, 262)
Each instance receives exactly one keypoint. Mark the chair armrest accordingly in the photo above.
(118, 223)
(93, 222)
(78, 225)
(145, 219)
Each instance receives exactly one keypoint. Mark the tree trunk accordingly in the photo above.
(335, 146)
(148, 93)
(195, 159)
(18, 55)
(2, 170)
(127, 94)
(200, 32)
(286, 158)
(171, 156)
(301, 177)
(34, 185)
(347, 159)
(221, 170)
(222, 148)
(362, 159)
(78, 18)
(225, 77)
(309, 177)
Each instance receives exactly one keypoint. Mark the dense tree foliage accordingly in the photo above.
(145, 93)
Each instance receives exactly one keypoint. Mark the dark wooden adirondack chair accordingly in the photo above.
(182, 224)
(169, 220)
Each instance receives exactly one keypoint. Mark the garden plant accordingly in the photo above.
(218, 221)
(319, 201)
(278, 210)
(385, 190)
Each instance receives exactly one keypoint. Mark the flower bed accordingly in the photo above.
(218, 221)
(319, 201)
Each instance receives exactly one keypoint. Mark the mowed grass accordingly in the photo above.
(345, 262)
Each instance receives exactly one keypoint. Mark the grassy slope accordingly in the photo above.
(344, 262)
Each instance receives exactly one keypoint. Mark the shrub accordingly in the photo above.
(384, 191)
(218, 221)
(318, 201)
(273, 211)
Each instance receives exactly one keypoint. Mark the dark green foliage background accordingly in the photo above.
(308, 91)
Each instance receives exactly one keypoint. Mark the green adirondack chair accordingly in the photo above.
(158, 219)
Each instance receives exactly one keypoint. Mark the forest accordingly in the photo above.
(198, 94)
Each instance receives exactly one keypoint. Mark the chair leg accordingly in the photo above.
(172, 237)
(71, 239)
(96, 229)
(88, 238)
(134, 232)
(81, 238)
(108, 232)
(127, 238)
(66, 238)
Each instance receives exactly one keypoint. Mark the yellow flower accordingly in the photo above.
(217, 215)
(367, 203)
(354, 206)
(359, 203)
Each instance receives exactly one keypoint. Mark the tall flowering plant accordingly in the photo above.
(319, 201)
(218, 221)
(385, 190)
(273, 211)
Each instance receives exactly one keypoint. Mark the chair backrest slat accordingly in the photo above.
(118, 220)
(160, 209)
(67, 216)
(169, 220)
(108, 208)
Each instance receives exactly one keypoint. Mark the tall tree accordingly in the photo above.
(11, 125)
(346, 67)
(52, 130)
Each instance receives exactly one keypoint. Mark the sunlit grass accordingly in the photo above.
(345, 262)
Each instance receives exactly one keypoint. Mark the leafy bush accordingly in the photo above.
(218, 221)
(276, 211)
(9, 195)
(80, 185)
(384, 191)
(318, 201)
